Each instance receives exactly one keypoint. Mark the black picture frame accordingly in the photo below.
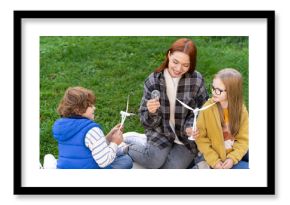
(19, 189)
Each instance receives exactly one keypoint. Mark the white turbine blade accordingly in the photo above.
(123, 121)
(127, 103)
(185, 105)
(204, 108)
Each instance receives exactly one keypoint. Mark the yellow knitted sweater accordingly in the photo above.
(211, 140)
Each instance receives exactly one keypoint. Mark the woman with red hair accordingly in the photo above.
(166, 143)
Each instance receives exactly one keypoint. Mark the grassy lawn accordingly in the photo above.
(113, 67)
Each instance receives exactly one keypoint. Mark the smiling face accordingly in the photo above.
(179, 64)
(90, 112)
(219, 93)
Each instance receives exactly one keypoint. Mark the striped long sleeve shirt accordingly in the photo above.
(103, 153)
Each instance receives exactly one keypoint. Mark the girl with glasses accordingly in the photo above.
(223, 128)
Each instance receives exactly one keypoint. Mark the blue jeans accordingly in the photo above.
(152, 157)
(122, 162)
(243, 164)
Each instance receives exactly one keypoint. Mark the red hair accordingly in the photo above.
(184, 45)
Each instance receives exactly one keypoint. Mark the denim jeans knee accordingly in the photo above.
(241, 165)
(148, 156)
(122, 162)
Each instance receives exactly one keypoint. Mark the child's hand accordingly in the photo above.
(228, 164)
(115, 129)
(218, 165)
(116, 134)
(117, 137)
(191, 133)
(118, 127)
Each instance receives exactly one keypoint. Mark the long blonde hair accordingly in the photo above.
(233, 81)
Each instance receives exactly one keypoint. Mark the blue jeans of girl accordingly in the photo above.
(243, 164)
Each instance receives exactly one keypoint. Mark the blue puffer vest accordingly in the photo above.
(70, 134)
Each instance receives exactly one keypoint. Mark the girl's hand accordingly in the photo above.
(218, 165)
(191, 133)
(228, 164)
(153, 105)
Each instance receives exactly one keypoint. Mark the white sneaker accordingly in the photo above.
(134, 138)
(123, 149)
(49, 162)
(135, 134)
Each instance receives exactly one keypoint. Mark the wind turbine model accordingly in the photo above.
(195, 111)
(125, 114)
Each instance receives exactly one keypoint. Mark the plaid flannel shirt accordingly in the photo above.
(191, 90)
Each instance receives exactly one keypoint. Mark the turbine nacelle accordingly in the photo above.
(127, 114)
(195, 111)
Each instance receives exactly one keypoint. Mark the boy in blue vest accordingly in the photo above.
(81, 141)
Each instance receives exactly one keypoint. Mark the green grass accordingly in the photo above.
(113, 67)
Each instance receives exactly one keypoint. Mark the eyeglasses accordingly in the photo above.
(217, 90)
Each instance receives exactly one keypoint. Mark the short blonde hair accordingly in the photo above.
(75, 101)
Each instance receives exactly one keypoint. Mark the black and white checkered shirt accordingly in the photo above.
(191, 90)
